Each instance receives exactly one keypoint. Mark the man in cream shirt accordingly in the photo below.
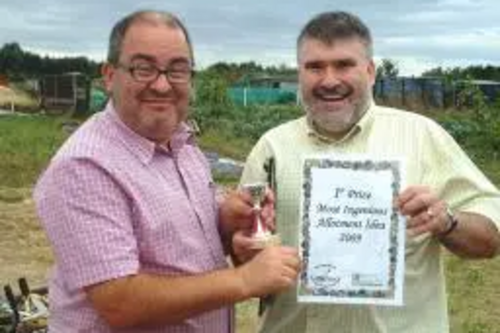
(448, 202)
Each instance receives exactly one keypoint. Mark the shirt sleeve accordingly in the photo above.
(457, 179)
(88, 220)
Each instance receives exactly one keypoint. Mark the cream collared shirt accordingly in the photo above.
(432, 158)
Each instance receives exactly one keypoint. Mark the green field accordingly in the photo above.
(27, 142)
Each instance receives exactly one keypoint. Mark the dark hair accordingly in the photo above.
(151, 16)
(331, 26)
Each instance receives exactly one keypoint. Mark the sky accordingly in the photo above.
(417, 34)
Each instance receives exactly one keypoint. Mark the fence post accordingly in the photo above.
(443, 94)
(423, 93)
(382, 89)
(454, 94)
(403, 97)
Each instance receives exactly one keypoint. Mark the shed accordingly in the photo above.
(68, 92)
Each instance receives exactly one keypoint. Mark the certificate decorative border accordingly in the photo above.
(368, 165)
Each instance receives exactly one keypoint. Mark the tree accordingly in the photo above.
(19, 64)
(11, 59)
(476, 72)
(387, 69)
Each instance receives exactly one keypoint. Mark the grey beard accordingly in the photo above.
(337, 127)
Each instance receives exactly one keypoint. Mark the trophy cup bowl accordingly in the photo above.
(261, 235)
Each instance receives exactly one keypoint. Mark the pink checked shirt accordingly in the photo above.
(113, 204)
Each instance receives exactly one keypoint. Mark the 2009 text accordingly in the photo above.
(350, 237)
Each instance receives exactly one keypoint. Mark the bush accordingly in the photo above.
(210, 89)
(248, 122)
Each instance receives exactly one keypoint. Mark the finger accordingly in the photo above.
(244, 196)
(268, 217)
(419, 230)
(267, 213)
(239, 203)
(243, 238)
(243, 246)
(430, 220)
(288, 250)
(269, 197)
(419, 219)
(427, 227)
(295, 264)
(440, 221)
(290, 274)
(409, 193)
(418, 204)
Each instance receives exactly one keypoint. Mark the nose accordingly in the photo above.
(161, 84)
(330, 77)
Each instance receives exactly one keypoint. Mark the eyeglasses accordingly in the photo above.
(147, 73)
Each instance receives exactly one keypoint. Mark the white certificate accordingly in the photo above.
(352, 239)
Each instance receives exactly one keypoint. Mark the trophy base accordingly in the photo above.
(265, 240)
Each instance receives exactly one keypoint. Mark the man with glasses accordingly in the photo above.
(129, 205)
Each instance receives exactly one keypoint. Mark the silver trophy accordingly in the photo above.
(261, 235)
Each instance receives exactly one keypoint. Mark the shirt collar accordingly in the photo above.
(359, 127)
(144, 148)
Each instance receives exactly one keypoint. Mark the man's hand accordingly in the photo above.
(473, 236)
(167, 299)
(272, 270)
(243, 248)
(424, 210)
(236, 213)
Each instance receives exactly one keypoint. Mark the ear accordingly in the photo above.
(108, 72)
(371, 69)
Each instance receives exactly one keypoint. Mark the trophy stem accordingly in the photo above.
(261, 235)
(260, 229)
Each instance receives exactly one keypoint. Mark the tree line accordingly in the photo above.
(476, 72)
(18, 64)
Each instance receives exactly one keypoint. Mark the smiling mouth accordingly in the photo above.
(157, 102)
(157, 106)
(333, 95)
(336, 98)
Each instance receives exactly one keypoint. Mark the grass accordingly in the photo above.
(26, 145)
(225, 144)
(12, 195)
(474, 295)
(27, 142)
(247, 316)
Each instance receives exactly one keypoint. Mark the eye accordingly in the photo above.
(144, 70)
(180, 71)
(180, 68)
(345, 64)
(315, 67)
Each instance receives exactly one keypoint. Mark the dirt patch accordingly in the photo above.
(14, 99)
(24, 249)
